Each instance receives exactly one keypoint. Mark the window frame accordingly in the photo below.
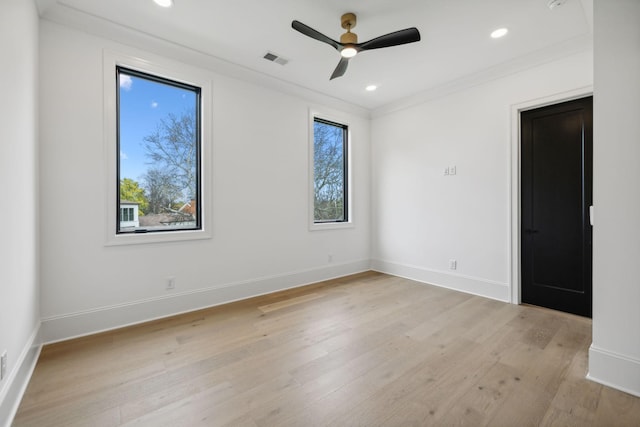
(347, 222)
(163, 70)
(176, 84)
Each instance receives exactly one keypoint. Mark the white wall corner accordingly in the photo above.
(614, 370)
(73, 325)
(18, 379)
(457, 282)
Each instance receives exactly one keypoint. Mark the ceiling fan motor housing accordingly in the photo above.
(348, 21)
(349, 38)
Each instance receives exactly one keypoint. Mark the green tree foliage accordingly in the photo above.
(131, 191)
(329, 170)
(172, 150)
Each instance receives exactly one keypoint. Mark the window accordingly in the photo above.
(126, 214)
(158, 153)
(330, 174)
(138, 93)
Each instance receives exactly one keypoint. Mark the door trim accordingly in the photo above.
(515, 279)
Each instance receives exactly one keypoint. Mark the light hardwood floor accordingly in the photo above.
(365, 350)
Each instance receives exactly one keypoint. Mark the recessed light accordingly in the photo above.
(371, 88)
(164, 3)
(500, 32)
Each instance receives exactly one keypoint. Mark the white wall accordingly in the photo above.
(614, 357)
(261, 239)
(422, 218)
(19, 310)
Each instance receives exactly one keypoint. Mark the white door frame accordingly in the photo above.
(515, 215)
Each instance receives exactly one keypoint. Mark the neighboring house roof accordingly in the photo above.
(128, 202)
(152, 220)
(162, 219)
(189, 207)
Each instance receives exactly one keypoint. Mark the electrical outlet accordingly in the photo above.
(3, 365)
(446, 171)
(171, 283)
(453, 264)
(452, 170)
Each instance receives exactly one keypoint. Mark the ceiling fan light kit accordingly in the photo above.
(348, 52)
(348, 45)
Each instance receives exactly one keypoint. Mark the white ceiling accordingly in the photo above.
(455, 37)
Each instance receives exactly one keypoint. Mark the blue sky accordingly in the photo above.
(143, 103)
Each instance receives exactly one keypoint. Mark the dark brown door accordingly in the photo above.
(556, 174)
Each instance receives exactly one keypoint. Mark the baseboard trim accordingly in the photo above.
(614, 370)
(471, 285)
(78, 324)
(18, 380)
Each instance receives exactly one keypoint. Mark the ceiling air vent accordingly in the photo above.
(552, 4)
(270, 56)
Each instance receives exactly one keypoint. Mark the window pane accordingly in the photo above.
(158, 153)
(330, 171)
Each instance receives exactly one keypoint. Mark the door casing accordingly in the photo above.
(515, 214)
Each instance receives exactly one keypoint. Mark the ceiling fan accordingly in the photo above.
(348, 45)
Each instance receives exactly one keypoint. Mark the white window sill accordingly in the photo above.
(319, 226)
(156, 237)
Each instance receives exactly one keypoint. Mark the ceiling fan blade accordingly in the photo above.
(310, 32)
(340, 69)
(408, 35)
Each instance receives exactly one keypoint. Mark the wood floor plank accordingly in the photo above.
(617, 408)
(364, 350)
(288, 302)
